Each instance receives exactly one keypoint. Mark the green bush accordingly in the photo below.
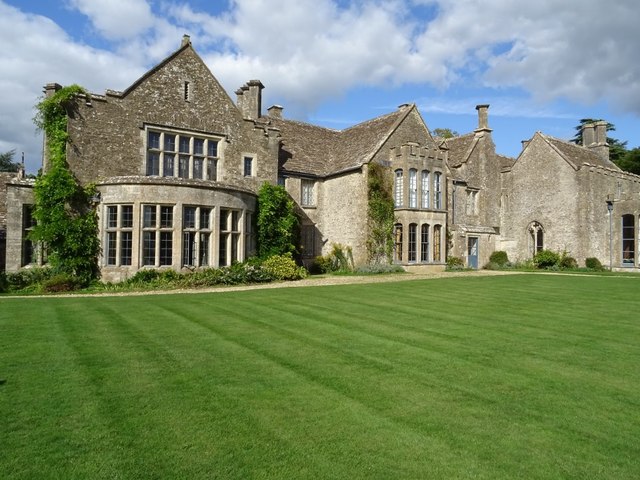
(283, 267)
(546, 259)
(321, 264)
(340, 259)
(592, 263)
(144, 276)
(28, 278)
(499, 258)
(61, 282)
(455, 263)
(568, 263)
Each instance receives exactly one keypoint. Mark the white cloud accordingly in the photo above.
(309, 51)
(37, 51)
(117, 19)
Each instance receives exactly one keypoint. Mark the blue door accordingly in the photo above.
(472, 252)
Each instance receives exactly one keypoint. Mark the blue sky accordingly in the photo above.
(542, 66)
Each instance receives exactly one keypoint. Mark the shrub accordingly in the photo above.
(4, 284)
(27, 278)
(283, 267)
(340, 259)
(144, 276)
(568, 263)
(592, 263)
(455, 263)
(277, 222)
(61, 282)
(499, 258)
(546, 259)
(321, 265)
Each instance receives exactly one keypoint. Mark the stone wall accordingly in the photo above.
(342, 213)
(540, 187)
(109, 137)
(139, 191)
(19, 193)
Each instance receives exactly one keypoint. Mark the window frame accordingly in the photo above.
(181, 154)
(628, 240)
(437, 190)
(425, 190)
(307, 192)
(157, 238)
(413, 188)
(398, 188)
(248, 160)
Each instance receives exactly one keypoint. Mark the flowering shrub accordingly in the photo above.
(283, 267)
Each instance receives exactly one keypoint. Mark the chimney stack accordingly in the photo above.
(250, 99)
(483, 118)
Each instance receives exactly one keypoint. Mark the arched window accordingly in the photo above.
(413, 188)
(424, 242)
(437, 243)
(437, 187)
(397, 246)
(398, 193)
(628, 240)
(413, 240)
(536, 240)
(424, 186)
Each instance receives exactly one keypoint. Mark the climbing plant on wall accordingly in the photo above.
(278, 224)
(380, 213)
(66, 220)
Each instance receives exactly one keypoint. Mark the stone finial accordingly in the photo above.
(186, 40)
(483, 118)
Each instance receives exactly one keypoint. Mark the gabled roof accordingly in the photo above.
(320, 151)
(460, 148)
(505, 162)
(575, 155)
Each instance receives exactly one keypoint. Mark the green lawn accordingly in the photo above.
(519, 376)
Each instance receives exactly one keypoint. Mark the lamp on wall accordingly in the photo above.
(610, 210)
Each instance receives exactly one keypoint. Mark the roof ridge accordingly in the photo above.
(301, 123)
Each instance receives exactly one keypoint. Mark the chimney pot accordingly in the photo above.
(588, 134)
(275, 111)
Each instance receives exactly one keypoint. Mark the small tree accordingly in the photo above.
(445, 133)
(277, 222)
(6, 162)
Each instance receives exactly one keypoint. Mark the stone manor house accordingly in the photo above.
(178, 164)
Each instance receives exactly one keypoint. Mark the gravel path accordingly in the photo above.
(313, 281)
